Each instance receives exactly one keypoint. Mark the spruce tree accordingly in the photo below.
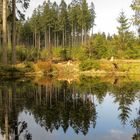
(123, 30)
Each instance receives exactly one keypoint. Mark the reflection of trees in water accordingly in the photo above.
(125, 96)
(136, 124)
(94, 86)
(65, 105)
(10, 127)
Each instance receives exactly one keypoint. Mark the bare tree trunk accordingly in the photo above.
(45, 38)
(57, 39)
(0, 39)
(72, 35)
(82, 36)
(63, 39)
(35, 37)
(49, 36)
(85, 34)
(92, 30)
(33, 42)
(4, 29)
(39, 41)
(50, 46)
(9, 34)
(13, 32)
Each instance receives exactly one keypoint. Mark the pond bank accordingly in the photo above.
(70, 69)
(106, 67)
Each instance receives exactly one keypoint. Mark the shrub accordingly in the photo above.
(44, 54)
(97, 47)
(9, 71)
(132, 54)
(29, 67)
(64, 54)
(79, 53)
(47, 68)
(33, 54)
(89, 64)
(22, 53)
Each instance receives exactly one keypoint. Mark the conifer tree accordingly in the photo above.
(136, 18)
(123, 30)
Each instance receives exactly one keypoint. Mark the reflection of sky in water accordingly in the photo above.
(108, 125)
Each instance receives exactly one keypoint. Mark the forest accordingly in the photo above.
(60, 78)
(61, 32)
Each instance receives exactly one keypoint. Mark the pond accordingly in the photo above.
(87, 109)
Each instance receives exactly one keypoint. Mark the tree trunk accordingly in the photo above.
(9, 34)
(4, 29)
(82, 36)
(45, 38)
(65, 41)
(63, 38)
(72, 34)
(49, 37)
(0, 37)
(57, 40)
(39, 41)
(35, 37)
(74, 37)
(50, 47)
(92, 30)
(85, 34)
(13, 32)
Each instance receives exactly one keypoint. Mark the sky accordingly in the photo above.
(107, 12)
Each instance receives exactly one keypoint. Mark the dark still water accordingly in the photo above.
(85, 110)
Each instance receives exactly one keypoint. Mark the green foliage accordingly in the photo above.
(8, 71)
(136, 18)
(29, 67)
(44, 54)
(123, 31)
(26, 34)
(52, 26)
(28, 54)
(22, 53)
(78, 53)
(64, 54)
(89, 64)
(33, 54)
(132, 53)
(97, 47)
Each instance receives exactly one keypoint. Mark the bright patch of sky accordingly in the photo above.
(107, 12)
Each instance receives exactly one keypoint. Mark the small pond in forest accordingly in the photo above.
(87, 109)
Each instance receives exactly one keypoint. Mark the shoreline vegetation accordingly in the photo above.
(71, 70)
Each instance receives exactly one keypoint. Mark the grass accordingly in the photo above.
(71, 69)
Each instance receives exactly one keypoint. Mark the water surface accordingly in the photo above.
(89, 109)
